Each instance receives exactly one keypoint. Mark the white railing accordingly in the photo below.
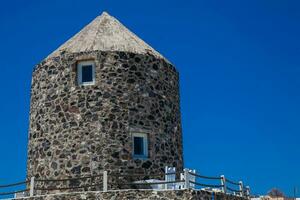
(188, 179)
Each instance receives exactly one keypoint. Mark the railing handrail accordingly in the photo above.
(68, 179)
(187, 181)
(206, 185)
(14, 184)
(233, 190)
(14, 192)
(205, 177)
(67, 188)
(154, 183)
(142, 175)
(232, 182)
(224, 183)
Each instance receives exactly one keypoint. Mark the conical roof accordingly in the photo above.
(105, 33)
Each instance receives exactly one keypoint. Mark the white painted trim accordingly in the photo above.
(145, 141)
(79, 72)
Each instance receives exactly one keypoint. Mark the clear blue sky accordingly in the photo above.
(239, 65)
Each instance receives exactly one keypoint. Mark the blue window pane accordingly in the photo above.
(87, 73)
(138, 146)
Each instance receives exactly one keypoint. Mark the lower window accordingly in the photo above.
(140, 145)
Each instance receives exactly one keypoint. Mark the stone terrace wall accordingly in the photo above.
(140, 195)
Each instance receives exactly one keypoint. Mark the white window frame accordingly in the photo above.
(145, 141)
(80, 65)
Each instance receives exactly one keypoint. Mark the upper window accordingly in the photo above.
(140, 145)
(86, 73)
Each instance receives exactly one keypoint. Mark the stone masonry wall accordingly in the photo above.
(79, 131)
(141, 195)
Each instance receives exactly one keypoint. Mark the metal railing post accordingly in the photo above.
(248, 191)
(165, 186)
(223, 183)
(192, 178)
(170, 176)
(241, 187)
(182, 179)
(105, 181)
(31, 191)
(186, 179)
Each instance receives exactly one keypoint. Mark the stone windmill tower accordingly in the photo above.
(104, 100)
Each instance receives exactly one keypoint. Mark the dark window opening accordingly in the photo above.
(87, 74)
(138, 146)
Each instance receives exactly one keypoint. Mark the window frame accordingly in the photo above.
(82, 64)
(144, 136)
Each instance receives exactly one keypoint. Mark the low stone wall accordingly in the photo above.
(139, 195)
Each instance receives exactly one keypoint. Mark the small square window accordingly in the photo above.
(86, 73)
(140, 145)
